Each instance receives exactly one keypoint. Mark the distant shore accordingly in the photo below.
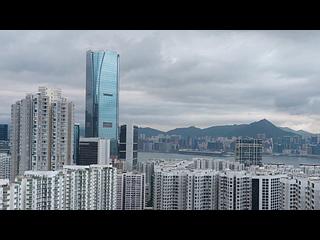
(230, 154)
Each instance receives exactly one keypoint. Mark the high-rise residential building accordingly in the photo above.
(218, 165)
(18, 193)
(4, 132)
(170, 191)
(130, 191)
(249, 151)
(313, 193)
(4, 194)
(102, 96)
(267, 191)
(76, 143)
(77, 179)
(170, 187)
(94, 151)
(289, 193)
(128, 146)
(148, 169)
(234, 190)
(44, 190)
(73, 188)
(5, 166)
(202, 190)
(41, 132)
(102, 187)
(179, 187)
(302, 188)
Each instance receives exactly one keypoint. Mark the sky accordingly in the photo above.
(172, 79)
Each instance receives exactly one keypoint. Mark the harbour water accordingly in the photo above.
(145, 156)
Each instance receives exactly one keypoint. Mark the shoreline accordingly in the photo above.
(231, 155)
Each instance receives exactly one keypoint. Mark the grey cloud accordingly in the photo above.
(185, 77)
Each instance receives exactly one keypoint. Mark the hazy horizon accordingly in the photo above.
(171, 79)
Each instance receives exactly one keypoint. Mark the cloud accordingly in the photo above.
(173, 79)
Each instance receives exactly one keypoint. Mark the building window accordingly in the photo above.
(107, 124)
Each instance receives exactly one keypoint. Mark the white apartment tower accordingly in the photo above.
(44, 190)
(302, 187)
(102, 187)
(41, 132)
(234, 190)
(131, 191)
(313, 194)
(77, 180)
(176, 186)
(289, 193)
(5, 166)
(170, 189)
(202, 190)
(218, 165)
(267, 191)
(4, 194)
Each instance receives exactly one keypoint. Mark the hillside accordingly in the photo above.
(245, 130)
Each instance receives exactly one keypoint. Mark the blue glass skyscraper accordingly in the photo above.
(102, 96)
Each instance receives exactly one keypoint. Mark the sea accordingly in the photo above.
(288, 160)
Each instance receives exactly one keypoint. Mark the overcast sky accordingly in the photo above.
(174, 79)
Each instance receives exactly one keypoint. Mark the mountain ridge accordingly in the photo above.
(245, 130)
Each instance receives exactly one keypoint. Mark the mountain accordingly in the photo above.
(262, 127)
(190, 131)
(246, 130)
(150, 131)
(302, 133)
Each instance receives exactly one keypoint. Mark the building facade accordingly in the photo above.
(313, 193)
(76, 187)
(44, 190)
(94, 151)
(128, 146)
(4, 132)
(102, 188)
(248, 151)
(76, 143)
(73, 188)
(202, 190)
(234, 190)
(267, 191)
(5, 166)
(102, 96)
(131, 191)
(41, 132)
(289, 193)
(4, 194)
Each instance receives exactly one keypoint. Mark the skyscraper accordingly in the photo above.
(102, 96)
(41, 132)
(128, 146)
(249, 151)
(3, 132)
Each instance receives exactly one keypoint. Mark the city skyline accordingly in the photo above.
(175, 78)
